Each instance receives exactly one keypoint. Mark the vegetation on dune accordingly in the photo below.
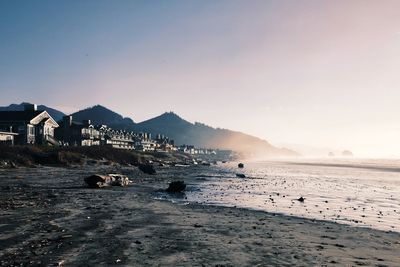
(64, 156)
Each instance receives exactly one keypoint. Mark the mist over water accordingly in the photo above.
(362, 193)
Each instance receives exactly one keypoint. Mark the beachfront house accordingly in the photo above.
(143, 142)
(163, 143)
(84, 133)
(116, 138)
(196, 151)
(73, 133)
(187, 149)
(30, 126)
(7, 138)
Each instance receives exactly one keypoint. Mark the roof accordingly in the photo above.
(19, 115)
(7, 133)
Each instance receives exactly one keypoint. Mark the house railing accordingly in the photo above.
(51, 140)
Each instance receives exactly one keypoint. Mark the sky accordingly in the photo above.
(319, 73)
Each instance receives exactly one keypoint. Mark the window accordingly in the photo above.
(31, 130)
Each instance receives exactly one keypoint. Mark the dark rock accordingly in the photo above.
(147, 168)
(240, 165)
(176, 187)
(301, 199)
(240, 175)
(96, 181)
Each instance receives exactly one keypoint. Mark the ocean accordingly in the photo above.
(359, 192)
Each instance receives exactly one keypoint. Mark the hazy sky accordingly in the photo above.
(322, 73)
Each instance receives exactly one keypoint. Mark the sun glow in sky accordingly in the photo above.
(321, 73)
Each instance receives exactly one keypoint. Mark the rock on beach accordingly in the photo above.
(147, 168)
(176, 187)
(99, 181)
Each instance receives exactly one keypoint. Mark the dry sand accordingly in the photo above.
(48, 217)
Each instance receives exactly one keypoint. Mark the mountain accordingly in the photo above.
(101, 115)
(201, 135)
(56, 114)
(170, 125)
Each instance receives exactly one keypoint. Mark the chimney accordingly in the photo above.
(86, 122)
(30, 107)
(67, 121)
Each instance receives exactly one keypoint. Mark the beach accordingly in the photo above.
(48, 217)
(359, 192)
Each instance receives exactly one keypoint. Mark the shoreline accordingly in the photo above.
(49, 217)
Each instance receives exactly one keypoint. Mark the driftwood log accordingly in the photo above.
(99, 181)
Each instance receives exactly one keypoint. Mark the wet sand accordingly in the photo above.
(48, 217)
(361, 197)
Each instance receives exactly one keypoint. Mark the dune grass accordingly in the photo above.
(52, 156)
